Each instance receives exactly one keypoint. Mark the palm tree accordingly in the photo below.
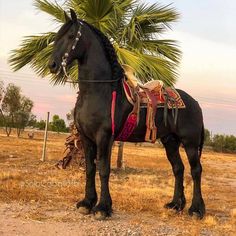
(134, 29)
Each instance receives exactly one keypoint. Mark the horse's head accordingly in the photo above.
(68, 44)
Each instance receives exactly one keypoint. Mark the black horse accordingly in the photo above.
(99, 75)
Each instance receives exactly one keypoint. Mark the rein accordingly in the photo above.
(95, 81)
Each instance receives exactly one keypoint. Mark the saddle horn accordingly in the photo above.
(129, 72)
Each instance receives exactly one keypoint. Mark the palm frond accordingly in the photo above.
(53, 9)
(148, 67)
(99, 13)
(167, 48)
(148, 21)
(156, 14)
(30, 48)
(159, 69)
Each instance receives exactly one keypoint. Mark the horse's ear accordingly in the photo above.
(67, 18)
(73, 15)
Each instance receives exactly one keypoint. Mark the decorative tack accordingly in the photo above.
(66, 55)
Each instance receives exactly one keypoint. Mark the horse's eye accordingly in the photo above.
(71, 36)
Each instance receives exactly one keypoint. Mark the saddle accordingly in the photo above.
(151, 95)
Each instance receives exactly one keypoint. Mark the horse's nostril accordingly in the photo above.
(54, 65)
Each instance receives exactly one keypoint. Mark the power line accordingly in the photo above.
(27, 78)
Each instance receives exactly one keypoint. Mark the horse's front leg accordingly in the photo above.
(90, 150)
(104, 207)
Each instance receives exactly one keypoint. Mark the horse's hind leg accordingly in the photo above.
(171, 144)
(198, 206)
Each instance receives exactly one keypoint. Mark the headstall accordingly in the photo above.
(72, 48)
(66, 55)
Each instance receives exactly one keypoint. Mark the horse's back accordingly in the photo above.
(192, 111)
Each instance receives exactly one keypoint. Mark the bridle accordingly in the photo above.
(66, 55)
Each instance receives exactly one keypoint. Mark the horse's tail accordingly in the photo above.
(201, 141)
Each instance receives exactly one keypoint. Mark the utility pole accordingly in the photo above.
(45, 138)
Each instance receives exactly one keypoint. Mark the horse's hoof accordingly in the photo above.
(197, 209)
(83, 210)
(100, 215)
(173, 206)
(197, 212)
(176, 205)
(198, 215)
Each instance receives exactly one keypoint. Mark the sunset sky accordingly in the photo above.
(206, 34)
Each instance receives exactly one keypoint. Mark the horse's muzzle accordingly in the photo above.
(53, 67)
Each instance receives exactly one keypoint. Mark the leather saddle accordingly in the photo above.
(143, 94)
(151, 95)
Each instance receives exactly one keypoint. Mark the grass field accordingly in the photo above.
(138, 191)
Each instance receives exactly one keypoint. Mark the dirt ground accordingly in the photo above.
(38, 199)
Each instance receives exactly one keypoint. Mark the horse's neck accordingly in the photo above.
(95, 65)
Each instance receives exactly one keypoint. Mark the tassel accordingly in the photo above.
(113, 107)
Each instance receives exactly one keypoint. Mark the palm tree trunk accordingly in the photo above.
(120, 160)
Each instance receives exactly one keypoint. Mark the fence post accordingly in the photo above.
(45, 138)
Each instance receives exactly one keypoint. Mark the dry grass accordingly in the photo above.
(142, 188)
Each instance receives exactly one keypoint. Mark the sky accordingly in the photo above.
(207, 37)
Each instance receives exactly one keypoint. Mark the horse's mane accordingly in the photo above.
(117, 70)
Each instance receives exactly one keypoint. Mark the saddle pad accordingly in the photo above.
(174, 98)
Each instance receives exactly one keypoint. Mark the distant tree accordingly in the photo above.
(16, 109)
(10, 106)
(230, 143)
(58, 124)
(218, 143)
(32, 121)
(207, 137)
(2, 91)
(41, 124)
(221, 143)
(23, 115)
